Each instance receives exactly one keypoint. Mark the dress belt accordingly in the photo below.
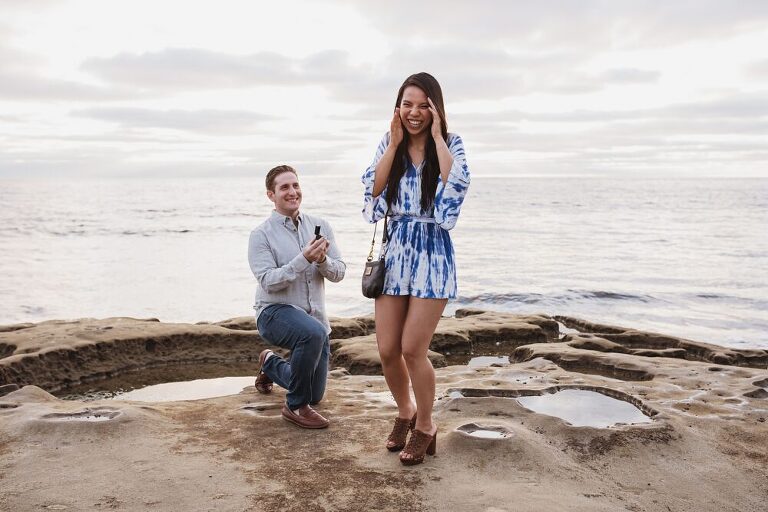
(406, 218)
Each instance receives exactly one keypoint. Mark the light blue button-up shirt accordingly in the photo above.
(284, 274)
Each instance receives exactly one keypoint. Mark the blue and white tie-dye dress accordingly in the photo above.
(419, 258)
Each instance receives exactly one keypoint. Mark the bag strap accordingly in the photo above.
(384, 238)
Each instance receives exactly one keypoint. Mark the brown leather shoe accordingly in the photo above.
(307, 417)
(263, 383)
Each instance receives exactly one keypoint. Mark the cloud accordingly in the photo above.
(585, 24)
(21, 79)
(630, 75)
(151, 160)
(759, 69)
(27, 5)
(10, 119)
(176, 104)
(724, 134)
(180, 69)
(34, 87)
(467, 72)
(206, 121)
(748, 107)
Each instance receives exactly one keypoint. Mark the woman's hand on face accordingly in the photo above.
(437, 124)
(396, 129)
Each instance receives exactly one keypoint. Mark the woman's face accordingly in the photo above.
(414, 110)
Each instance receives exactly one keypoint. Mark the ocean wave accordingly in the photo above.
(554, 299)
(602, 294)
(75, 232)
(501, 298)
(750, 302)
(156, 232)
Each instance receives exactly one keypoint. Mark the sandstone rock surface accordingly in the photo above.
(704, 448)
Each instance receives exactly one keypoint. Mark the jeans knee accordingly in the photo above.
(316, 339)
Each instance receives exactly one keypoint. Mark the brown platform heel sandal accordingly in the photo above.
(263, 383)
(396, 439)
(419, 444)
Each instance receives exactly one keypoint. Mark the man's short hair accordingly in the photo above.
(275, 172)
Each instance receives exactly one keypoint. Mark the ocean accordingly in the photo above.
(684, 257)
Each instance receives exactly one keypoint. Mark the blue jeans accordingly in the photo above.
(305, 375)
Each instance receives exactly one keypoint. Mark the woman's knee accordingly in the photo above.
(414, 353)
(390, 355)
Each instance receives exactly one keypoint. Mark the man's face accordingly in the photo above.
(286, 194)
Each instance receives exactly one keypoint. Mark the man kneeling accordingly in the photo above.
(291, 264)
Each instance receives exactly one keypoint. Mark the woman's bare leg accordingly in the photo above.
(390, 318)
(420, 323)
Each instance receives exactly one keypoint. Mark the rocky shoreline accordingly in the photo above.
(703, 449)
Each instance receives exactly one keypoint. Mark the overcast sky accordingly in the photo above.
(589, 87)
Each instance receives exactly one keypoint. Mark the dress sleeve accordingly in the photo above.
(375, 208)
(450, 195)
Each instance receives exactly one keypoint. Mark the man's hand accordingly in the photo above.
(316, 250)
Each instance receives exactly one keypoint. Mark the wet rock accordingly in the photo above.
(616, 366)
(241, 323)
(757, 393)
(360, 355)
(58, 354)
(15, 327)
(704, 450)
(7, 388)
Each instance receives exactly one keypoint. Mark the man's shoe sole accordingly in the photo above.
(303, 425)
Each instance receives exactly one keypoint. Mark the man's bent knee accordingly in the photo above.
(315, 337)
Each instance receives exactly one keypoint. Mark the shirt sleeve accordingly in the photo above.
(450, 195)
(271, 277)
(375, 208)
(333, 268)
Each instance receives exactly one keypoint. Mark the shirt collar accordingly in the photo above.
(285, 220)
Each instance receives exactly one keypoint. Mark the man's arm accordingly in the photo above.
(271, 277)
(332, 268)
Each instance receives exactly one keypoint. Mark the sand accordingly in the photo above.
(705, 446)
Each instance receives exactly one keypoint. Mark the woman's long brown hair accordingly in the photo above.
(430, 173)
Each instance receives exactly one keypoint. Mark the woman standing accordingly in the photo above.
(419, 177)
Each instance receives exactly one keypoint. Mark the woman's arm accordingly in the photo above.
(451, 192)
(385, 163)
(444, 156)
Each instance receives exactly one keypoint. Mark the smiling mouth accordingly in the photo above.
(415, 124)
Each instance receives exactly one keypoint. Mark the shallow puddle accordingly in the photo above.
(484, 431)
(486, 361)
(121, 384)
(86, 415)
(582, 408)
(189, 390)
(564, 331)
